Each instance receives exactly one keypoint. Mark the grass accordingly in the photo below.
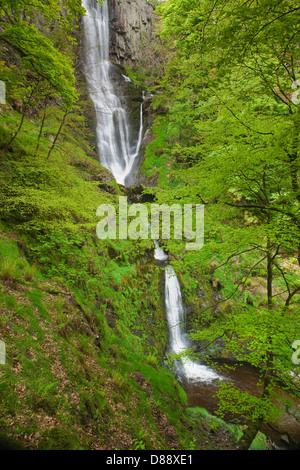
(82, 319)
(8, 269)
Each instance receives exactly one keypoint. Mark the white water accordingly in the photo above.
(118, 148)
(159, 254)
(118, 151)
(179, 342)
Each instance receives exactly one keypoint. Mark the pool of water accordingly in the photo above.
(246, 378)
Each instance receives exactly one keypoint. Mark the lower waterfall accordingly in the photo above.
(178, 339)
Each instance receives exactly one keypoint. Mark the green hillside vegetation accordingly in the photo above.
(84, 328)
(83, 319)
(226, 135)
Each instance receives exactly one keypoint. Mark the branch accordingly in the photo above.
(268, 24)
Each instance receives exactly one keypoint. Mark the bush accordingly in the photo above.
(8, 268)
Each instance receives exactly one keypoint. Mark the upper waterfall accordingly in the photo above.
(118, 146)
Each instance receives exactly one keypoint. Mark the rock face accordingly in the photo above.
(132, 25)
(131, 30)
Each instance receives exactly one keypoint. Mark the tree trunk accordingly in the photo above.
(58, 133)
(41, 129)
(22, 119)
(269, 275)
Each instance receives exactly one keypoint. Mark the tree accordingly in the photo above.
(41, 73)
(237, 62)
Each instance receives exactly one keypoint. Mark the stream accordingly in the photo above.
(200, 382)
(118, 148)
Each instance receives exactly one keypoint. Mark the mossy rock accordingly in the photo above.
(58, 439)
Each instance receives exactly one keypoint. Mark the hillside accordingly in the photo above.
(205, 99)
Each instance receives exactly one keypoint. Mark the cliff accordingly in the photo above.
(132, 26)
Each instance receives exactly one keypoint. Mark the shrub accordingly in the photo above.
(8, 269)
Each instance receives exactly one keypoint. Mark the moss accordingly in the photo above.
(58, 439)
(71, 364)
(216, 433)
(7, 443)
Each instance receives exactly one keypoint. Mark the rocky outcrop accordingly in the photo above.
(131, 29)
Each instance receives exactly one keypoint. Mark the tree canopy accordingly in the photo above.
(233, 127)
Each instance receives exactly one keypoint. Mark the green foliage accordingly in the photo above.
(233, 127)
(82, 319)
(89, 313)
(58, 439)
(8, 269)
(63, 13)
(39, 194)
(54, 323)
(41, 58)
(245, 405)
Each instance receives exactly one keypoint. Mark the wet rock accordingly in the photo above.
(285, 439)
(135, 194)
(108, 188)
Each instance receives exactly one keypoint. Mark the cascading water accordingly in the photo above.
(118, 150)
(178, 340)
(117, 144)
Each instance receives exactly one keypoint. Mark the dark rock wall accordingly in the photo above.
(131, 29)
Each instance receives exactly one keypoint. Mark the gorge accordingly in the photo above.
(128, 338)
(118, 148)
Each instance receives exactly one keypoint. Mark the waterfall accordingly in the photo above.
(178, 339)
(118, 150)
(117, 145)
